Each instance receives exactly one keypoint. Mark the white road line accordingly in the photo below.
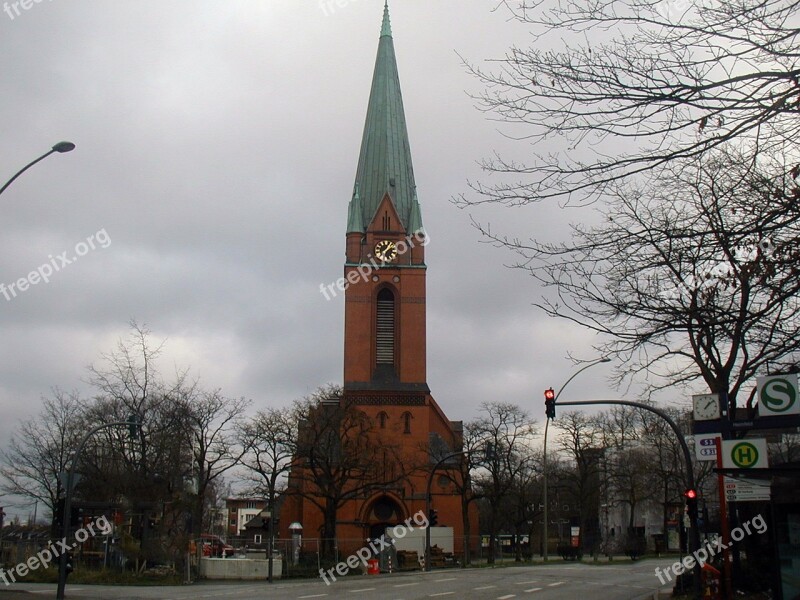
(405, 584)
(486, 587)
(533, 590)
(362, 590)
(312, 596)
(555, 584)
(441, 594)
(439, 580)
(506, 597)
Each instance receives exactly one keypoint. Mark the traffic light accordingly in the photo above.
(433, 518)
(691, 496)
(550, 403)
(489, 452)
(134, 426)
(75, 516)
(58, 516)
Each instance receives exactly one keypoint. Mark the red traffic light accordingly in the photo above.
(690, 494)
(549, 394)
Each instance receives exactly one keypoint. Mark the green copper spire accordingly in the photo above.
(384, 165)
(386, 28)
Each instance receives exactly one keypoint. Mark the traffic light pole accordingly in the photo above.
(694, 536)
(725, 526)
(62, 561)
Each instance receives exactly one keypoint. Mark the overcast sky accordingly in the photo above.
(217, 145)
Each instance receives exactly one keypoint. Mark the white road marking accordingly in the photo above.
(533, 590)
(313, 596)
(441, 594)
(486, 587)
(406, 584)
(362, 590)
(506, 597)
(441, 580)
(555, 584)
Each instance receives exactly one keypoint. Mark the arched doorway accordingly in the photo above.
(382, 513)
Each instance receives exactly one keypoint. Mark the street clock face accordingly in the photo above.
(706, 407)
(386, 250)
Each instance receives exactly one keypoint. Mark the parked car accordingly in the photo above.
(216, 547)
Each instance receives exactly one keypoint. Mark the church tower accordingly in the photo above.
(384, 340)
(384, 344)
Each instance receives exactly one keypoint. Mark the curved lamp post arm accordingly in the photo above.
(604, 359)
(435, 468)
(59, 147)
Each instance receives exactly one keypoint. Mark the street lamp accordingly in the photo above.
(428, 507)
(60, 147)
(548, 393)
(70, 483)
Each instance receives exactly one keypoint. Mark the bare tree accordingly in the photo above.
(692, 277)
(212, 421)
(41, 449)
(130, 386)
(505, 430)
(629, 472)
(269, 440)
(612, 89)
(474, 453)
(338, 456)
(581, 439)
(525, 501)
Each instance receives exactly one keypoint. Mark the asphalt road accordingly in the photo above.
(545, 582)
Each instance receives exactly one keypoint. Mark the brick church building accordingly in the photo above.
(384, 339)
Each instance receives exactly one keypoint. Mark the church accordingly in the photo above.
(385, 341)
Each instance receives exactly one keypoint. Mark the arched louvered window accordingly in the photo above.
(382, 417)
(406, 422)
(384, 338)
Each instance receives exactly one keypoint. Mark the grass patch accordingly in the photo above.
(100, 577)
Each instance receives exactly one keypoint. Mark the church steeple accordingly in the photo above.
(384, 165)
(386, 28)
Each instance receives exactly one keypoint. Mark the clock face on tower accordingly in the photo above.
(385, 250)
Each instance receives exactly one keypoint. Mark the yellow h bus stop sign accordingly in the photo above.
(745, 454)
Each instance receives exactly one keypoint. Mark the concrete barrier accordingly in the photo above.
(239, 568)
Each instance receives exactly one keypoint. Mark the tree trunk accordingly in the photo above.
(492, 533)
(329, 530)
(467, 528)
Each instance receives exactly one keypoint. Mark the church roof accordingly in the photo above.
(384, 165)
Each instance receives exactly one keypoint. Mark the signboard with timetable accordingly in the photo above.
(746, 490)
